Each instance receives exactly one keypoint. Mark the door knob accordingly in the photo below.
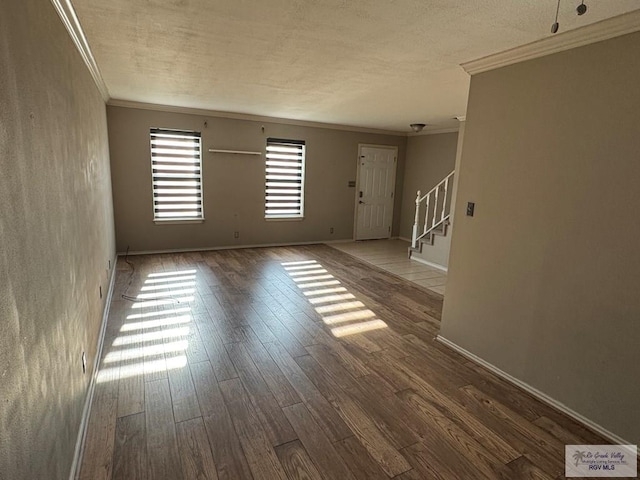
(360, 201)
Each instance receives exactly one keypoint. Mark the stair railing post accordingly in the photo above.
(414, 234)
(435, 206)
(426, 214)
(444, 198)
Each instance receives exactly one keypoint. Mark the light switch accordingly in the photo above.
(471, 206)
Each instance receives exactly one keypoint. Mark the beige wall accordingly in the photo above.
(430, 158)
(544, 280)
(56, 238)
(234, 184)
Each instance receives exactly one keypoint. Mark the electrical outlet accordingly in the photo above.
(331, 230)
(236, 234)
(84, 363)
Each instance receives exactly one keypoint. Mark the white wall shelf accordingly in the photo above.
(234, 152)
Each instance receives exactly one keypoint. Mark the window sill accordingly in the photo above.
(180, 221)
(284, 219)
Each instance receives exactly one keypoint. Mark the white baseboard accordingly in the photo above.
(232, 247)
(333, 242)
(405, 239)
(431, 264)
(543, 397)
(86, 412)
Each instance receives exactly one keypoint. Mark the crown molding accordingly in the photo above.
(249, 117)
(72, 24)
(595, 32)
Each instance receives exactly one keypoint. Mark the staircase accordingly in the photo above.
(432, 215)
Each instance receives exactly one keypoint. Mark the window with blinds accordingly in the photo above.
(177, 175)
(284, 193)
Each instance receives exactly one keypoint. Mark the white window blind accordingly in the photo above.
(284, 194)
(177, 175)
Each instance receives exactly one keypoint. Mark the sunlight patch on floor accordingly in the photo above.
(156, 337)
(158, 314)
(168, 286)
(336, 305)
(164, 301)
(313, 278)
(347, 317)
(324, 291)
(307, 272)
(127, 371)
(157, 323)
(171, 274)
(152, 281)
(339, 307)
(149, 351)
(319, 284)
(331, 298)
(361, 327)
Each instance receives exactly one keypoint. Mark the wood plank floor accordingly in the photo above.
(300, 363)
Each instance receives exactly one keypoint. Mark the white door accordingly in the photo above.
(374, 196)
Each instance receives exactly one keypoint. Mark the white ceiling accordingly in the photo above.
(370, 63)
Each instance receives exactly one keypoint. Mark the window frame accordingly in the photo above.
(301, 144)
(153, 133)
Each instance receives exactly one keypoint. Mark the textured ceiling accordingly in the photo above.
(378, 63)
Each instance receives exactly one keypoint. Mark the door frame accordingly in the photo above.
(356, 196)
